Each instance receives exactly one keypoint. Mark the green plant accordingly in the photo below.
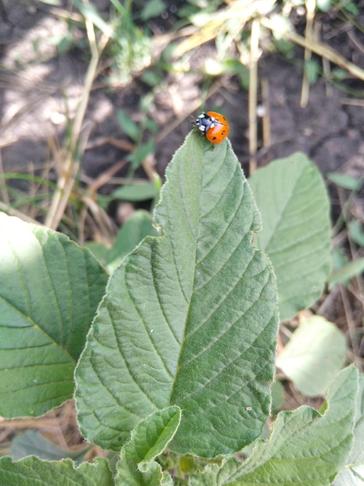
(176, 369)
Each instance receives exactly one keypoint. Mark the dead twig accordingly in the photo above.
(318, 48)
(105, 177)
(267, 140)
(3, 187)
(309, 36)
(351, 325)
(121, 144)
(14, 212)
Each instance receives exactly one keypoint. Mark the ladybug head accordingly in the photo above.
(203, 122)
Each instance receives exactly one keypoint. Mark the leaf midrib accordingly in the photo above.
(184, 340)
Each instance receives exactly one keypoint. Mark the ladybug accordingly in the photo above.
(213, 126)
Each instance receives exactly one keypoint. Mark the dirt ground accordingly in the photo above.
(35, 81)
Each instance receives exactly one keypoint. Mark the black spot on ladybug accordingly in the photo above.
(213, 138)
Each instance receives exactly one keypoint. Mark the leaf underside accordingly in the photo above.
(189, 318)
(313, 356)
(49, 291)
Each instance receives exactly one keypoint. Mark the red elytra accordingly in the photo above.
(214, 126)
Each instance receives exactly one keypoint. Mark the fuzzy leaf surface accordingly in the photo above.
(148, 440)
(293, 201)
(189, 318)
(35, 472)
(305, 447)
(353, 473)
(49, 291)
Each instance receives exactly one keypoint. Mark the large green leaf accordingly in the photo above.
(49, 291)
(189, 318)
(149, 439)
(313, 355)
(353, 474)
(305, 447)
(293, 201)
(33, 471)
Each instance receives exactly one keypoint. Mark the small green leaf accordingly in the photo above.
(146, 102)
(148, 440)
(345, 181)
(100, 251)
(152, 8)
(351, 8)
(324, 5)
(356, 231)
(338, 74)
(312, 70)
(353, 474)
(313, 355)
(294, 205)
(34, 471)
(136, 192)
(151, 125)
(285, 47)
(305, 447)
(189, 317)
(52, 2)
(338, 257)
(49, 291)
(277, 396)
(151, 77)
(133, 231)
(141, 153)
(347, 272)
(91, 13)
(127, 125)
(32, 443)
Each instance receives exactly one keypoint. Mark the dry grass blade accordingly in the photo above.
(351, 326)
(105, 176)
(14, 212)
(309, 35)
(70, 169)
(240, 10)
(253, 94)
(104, 224)
(3, 189)
(317, 47)
(266, 115)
